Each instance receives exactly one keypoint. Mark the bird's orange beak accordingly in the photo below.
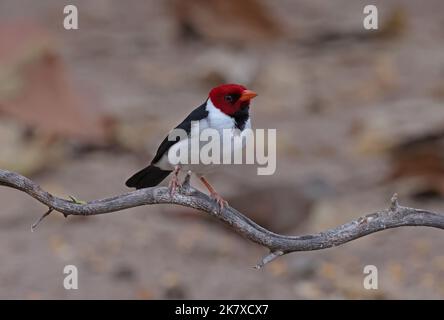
(247, 95)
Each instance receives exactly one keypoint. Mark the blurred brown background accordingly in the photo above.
(359, 115)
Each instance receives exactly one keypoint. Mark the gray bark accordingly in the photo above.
(392, 217)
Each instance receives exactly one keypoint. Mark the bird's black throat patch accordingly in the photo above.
(241, 117)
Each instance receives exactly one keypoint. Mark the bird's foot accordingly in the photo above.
(219, 200)
(213, 194)
(174, 184)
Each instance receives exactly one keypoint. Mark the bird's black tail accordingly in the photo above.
(149, 177)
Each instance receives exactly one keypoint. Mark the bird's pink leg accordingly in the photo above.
(174, 182)
(220, 201)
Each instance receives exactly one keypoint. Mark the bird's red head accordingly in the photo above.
(230, 98)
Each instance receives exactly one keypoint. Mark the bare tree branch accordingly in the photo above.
(279, 245)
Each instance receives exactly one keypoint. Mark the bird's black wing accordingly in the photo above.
(197, 114)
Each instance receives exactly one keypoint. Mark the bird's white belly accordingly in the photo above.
(191, 155)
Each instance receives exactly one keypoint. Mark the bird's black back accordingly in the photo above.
(197, 114)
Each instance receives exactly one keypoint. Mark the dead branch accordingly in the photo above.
(279, 245)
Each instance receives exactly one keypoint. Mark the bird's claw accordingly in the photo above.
(174, 185)
(219, 200)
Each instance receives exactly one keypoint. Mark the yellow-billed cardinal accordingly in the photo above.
(227, 107)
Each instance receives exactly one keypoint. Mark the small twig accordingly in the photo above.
(35, 224)
(268, 258)
(394, 205)
(393, 217)
(186, 188)
(76, 201)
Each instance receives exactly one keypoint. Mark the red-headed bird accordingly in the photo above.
(227, 107)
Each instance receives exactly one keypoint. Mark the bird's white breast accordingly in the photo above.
(217, 120)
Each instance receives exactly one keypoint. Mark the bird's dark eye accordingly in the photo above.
(228, 98)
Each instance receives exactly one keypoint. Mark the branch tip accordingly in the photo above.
(186, 181)
(76, 201)
(186, 185)
(394, 204)
(35, 224)
(268, 258)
